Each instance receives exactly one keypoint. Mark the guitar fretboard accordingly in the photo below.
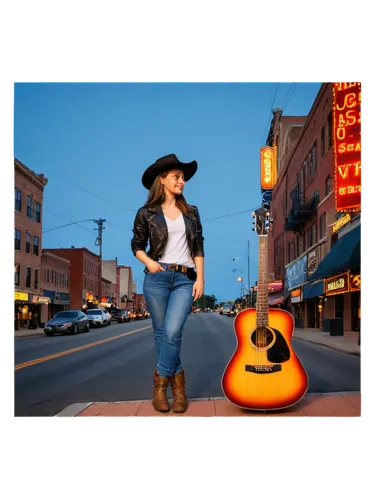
(262, 296)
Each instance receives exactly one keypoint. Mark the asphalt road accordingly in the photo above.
(116, 363)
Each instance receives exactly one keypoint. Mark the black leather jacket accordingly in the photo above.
(150, 225)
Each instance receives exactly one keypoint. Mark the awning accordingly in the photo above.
(344, 255)
(313, 290)
(275, 298)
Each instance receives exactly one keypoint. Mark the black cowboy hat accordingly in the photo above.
(165, 163)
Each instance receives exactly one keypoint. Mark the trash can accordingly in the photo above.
(336, 327)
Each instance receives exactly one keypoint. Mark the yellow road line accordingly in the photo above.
(64, 353)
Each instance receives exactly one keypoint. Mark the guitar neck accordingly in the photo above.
(262, 295)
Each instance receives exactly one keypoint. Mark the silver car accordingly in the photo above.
(67, 321)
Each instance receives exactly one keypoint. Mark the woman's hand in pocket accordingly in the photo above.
(154, 267)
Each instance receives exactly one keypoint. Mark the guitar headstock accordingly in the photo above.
(263, 221)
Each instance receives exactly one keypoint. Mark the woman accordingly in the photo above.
(174, 269)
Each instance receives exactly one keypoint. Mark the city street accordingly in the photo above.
(114, 364)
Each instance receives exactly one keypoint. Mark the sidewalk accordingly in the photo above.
(312, 405)
(347, 343)
(25, 333)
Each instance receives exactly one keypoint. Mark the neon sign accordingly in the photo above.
(347, 145)
(267, 168)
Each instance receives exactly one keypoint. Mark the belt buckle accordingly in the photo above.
(173, 267)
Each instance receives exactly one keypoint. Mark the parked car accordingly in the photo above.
(98, 317)
(120, 315)
(67, 321)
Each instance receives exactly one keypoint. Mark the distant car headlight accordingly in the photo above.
(67, 324)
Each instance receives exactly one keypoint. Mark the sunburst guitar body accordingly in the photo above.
(264, 373)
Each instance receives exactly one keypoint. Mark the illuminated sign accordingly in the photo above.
(21, 296)
(295, 296)
(89, 297)
(267, 168)
(347, 145)
(341, 222)
(355, 282)
(337, 284)
(273, 286)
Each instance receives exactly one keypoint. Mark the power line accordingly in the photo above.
(101, 198)
(66, 218)
(274, 97)
(286, 97)
(294, 88)
(70, 224)
(229, 215)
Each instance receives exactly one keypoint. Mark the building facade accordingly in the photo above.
(111, 272)
(304, 217)
(84, 276)
(29, 304)
(55, 283)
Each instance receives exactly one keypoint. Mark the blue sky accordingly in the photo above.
(94, 141)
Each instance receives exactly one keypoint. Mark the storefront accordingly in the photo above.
(59, 301)
(296, 298)
(295, 277)
(22, 311)
(30, 311)
(313, 295)
(343, 299)
(340, 270)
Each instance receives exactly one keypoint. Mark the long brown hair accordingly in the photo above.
(156, 195)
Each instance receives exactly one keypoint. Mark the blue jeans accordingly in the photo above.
(168, 296)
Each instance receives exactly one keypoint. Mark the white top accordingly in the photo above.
(177, 251)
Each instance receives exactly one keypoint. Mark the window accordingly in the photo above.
(289, 252)
(310, 165)
(303, 241)
(17, 200)
(37, 212)
(313, 152)
(330, 140)
(33, 209)
(29, 211)
(322, 142)
(322, 225)
(328, 185)
(17, 239)
(36, 246)
(27, 242)
(297, 245)
(36, 278)
(311, 235)
(17, 274)
(28, 277)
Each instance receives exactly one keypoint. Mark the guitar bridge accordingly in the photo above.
(263, 368)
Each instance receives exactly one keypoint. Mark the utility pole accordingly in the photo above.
(99, 243)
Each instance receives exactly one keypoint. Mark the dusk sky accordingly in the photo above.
(94, 141)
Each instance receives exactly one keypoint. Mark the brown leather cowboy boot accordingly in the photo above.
(159, 397)
(180, 401)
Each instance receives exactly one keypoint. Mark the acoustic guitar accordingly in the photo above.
(264, 372)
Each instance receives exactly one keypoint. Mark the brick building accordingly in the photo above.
(111, 271)
(84, 276)
(55, 282)
(303, 211)
(28, 301)
(106, 293)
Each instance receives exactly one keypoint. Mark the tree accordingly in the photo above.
(206, 301)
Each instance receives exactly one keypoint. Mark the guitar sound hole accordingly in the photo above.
(262, 337)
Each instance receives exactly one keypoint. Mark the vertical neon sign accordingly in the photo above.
(347, 145)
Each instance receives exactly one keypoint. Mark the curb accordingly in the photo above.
(75, 409)
(333, 347)
(29, 336)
